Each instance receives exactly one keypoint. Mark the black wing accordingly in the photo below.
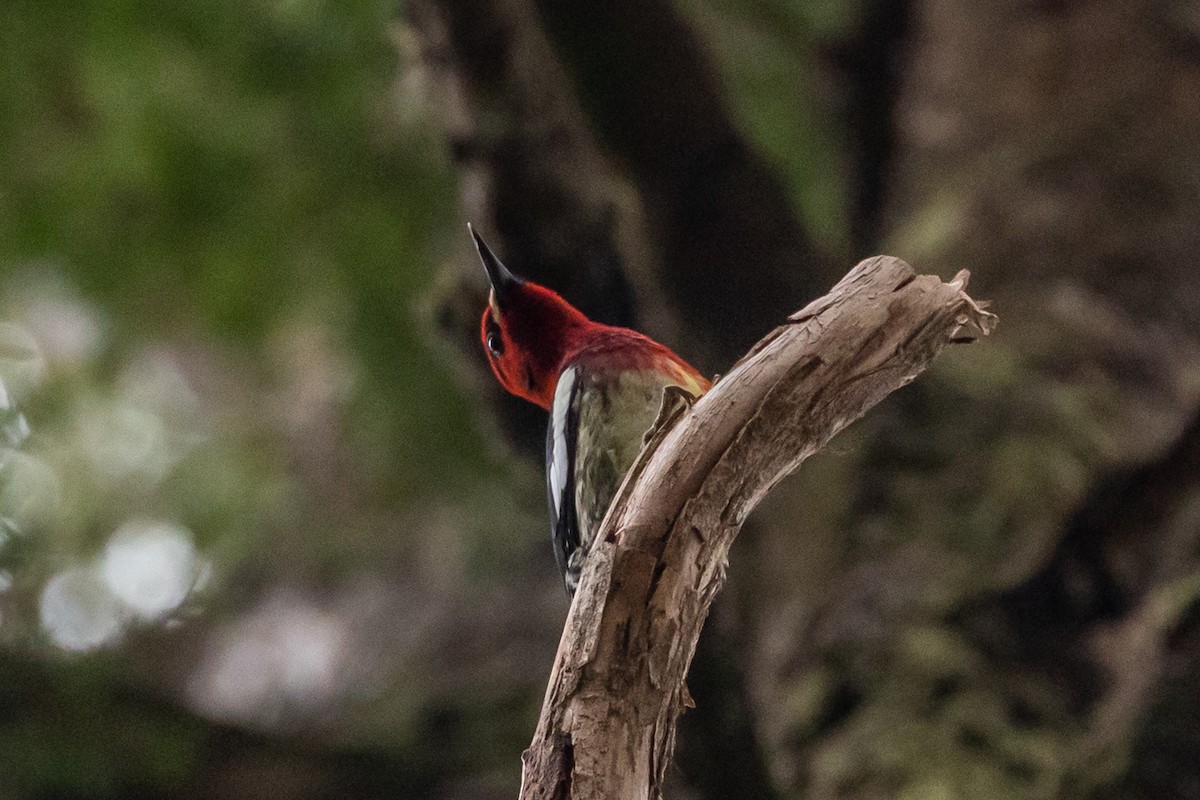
(562, 437)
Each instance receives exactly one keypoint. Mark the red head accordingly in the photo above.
(528, 331)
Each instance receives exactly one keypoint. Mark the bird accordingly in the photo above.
(602, 384)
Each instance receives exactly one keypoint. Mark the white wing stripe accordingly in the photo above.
(558, 423)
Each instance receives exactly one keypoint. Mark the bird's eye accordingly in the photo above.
(495, 344)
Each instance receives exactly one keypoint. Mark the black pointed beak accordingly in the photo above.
(503, 281)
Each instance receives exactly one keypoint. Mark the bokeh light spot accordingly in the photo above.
(151, 566)
(78, 611)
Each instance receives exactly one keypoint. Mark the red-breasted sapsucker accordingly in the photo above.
(602, 385)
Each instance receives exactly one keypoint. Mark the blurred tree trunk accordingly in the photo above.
(531, 177)
(995, 603)
(1011, 607)
(730, 249)
(695, 218)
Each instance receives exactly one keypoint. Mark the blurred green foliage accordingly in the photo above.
(766, 53)
(217, 220)
(229, 166)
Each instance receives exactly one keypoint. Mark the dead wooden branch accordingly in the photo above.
(607, 726)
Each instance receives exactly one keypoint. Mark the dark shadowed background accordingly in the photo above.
(268, 529)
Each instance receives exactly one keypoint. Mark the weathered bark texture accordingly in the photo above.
(607, 726)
